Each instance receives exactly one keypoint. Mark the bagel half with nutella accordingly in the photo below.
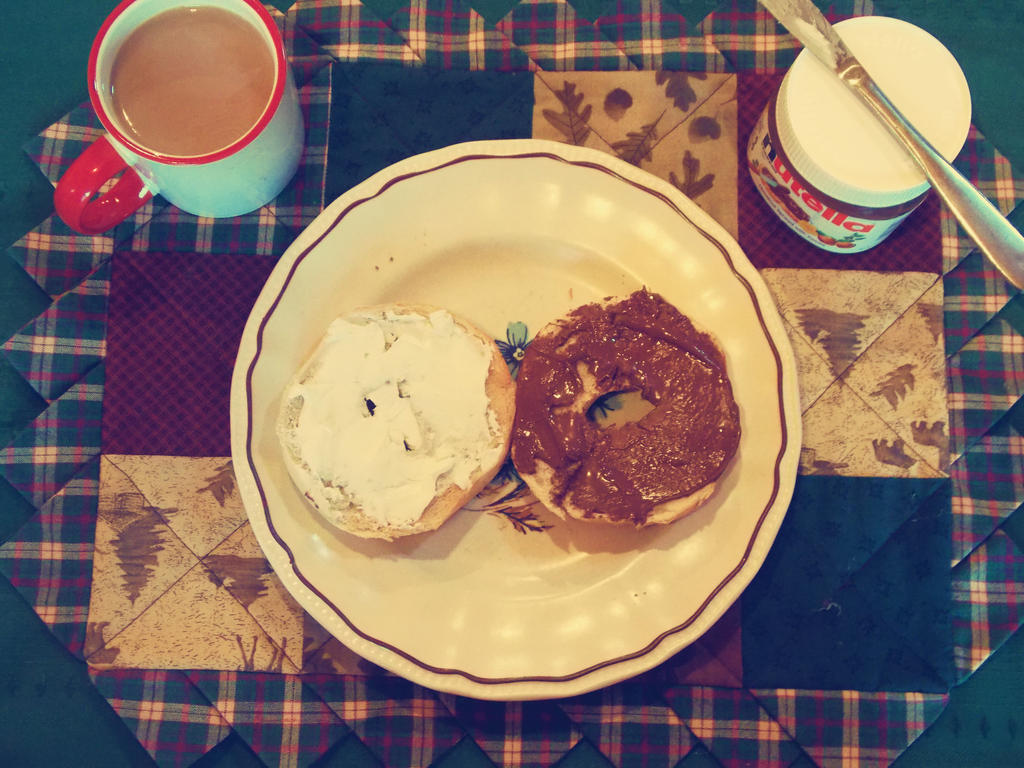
(652, 470)
(399, 417)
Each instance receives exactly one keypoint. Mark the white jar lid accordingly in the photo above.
(837, 144)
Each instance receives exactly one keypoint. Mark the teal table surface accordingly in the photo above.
(50, 714)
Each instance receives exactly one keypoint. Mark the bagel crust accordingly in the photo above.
(401, 415)
(653, 470)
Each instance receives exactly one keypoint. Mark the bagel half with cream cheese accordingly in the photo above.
(651, 470)
(399, 417)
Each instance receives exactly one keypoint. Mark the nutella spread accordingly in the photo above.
(637, 344)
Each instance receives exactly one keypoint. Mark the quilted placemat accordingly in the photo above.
(889, 582)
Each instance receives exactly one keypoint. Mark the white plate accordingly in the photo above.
(504, 232)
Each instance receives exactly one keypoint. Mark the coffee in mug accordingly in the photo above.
(199, 106)
(191, 80)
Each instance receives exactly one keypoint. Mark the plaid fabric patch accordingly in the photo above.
(749, 38)
(167, 714)
(284, 722)
(852, 727)
(57, 146)
(515, 734)
(303, 198)
(49, 561)
(991, 173)
(555, 38)
(653, 35)
(349, 31)
(988, 485)
(401, 723)
(630, 727)
(450, 34)
(305, 55)
(174, 231)
(58, 443)
(733, 726)
(975, 291)
(986, 377)
(988, 601)
(57, 348)
(58, 258)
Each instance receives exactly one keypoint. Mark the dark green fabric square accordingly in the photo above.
(834, 524)
(383, 8)
(592, 10)
(494, 11)
(382, 113)
(908, 584)
(843, 645)
(848, 600)
(693, 10)
(360, 142)
(431, 108)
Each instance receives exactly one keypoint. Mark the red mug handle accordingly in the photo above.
(75, 197)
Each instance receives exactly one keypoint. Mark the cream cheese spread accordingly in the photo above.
(394, 410)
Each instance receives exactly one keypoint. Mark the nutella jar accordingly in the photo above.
(825, 164)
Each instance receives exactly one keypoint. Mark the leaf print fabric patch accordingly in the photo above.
(679, 126)
(179, 580)
(137, 559)
(872, 375)
(195, 496)
(572, 121)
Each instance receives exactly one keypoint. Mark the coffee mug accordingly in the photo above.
(199, 106)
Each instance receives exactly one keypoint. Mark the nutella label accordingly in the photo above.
(819, 219)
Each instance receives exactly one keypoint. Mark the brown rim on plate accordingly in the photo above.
(452, 671)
